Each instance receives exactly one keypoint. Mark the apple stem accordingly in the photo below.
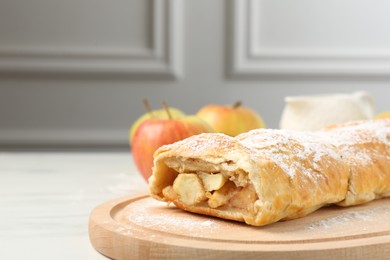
(148, 107)
(237, 104)
(166, 107)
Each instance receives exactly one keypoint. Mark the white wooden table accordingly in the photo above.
(46, 199)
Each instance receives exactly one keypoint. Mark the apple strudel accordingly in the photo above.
(267, 175)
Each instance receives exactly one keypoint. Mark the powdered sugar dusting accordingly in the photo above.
(196, 145)
(289, 148)
(360, 132)
(151, 214)
(352, 218)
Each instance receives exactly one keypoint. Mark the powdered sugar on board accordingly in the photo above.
(157, 215)
(113, 233)
(352, 218)
(155, 221)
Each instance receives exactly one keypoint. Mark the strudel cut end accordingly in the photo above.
(267, 175)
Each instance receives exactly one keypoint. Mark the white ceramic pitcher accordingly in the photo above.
(314, 112)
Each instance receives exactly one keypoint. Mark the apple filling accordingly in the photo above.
(215, 189)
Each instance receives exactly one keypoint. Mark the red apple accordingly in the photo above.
(231, 120)
(153, 133)
(158, 113)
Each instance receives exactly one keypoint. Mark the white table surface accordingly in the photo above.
(46, 199)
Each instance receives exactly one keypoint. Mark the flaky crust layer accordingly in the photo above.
(291, 174)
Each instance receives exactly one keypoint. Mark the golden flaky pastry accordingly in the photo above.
(267, 175)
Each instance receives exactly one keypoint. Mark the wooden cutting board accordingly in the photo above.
(139, 227)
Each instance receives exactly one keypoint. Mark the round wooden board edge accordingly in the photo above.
(105, 237)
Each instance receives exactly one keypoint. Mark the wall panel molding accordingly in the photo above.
(163, 59)
(250, 59)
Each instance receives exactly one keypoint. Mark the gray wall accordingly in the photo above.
(75, 72)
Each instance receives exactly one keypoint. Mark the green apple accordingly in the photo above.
(231, 120)
(155, 132)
